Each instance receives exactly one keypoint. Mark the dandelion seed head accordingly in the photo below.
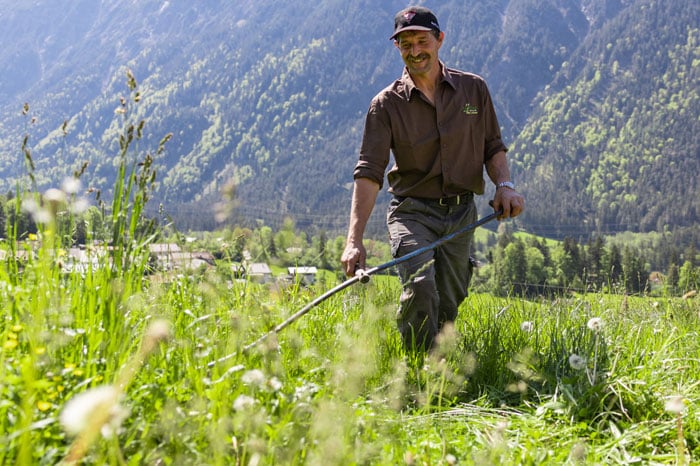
(79, 206)
(675, 404)
(254, 377)
(71, 185)
(159, 330)
(527, 326)
(54, 196)
(577, 362)
(42, 216)
(595, 324)
(579, 452)
(275, 384)
(81, 409)
(243, 402)
(409, 459)
(30, 206)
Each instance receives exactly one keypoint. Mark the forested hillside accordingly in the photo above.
(614, 142)
(597, 98)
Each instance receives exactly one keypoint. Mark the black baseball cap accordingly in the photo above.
(414, 18)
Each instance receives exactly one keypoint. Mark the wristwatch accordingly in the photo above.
(506, 184)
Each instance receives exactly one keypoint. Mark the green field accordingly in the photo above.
(334, 387)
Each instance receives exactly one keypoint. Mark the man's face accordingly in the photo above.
(419, 50)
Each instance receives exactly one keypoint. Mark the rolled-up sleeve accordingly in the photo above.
(376, 144)
(493, 143)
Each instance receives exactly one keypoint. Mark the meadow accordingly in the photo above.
(110, 367)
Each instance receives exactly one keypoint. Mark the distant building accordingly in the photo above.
(190, 260)
(169, 256)
(259, 272)
(306, 275)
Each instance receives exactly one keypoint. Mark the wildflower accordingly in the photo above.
(54, 196)
(85, 409)
(595, 324)
(9, 345)
(79, 206)
(158, 331)
(43, 405)
(675, 404)
(275, 384)
(577, 362)
(255, 378)
(70, 185)
(450, 459)
(243, 402)
(527, 326)
(409, 459)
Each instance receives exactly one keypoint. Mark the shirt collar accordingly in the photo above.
(409, 86)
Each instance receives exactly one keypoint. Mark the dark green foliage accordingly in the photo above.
(597, 99)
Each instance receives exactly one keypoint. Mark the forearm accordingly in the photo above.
(497, 168)
(364, 197)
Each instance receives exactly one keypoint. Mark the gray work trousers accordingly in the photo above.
(435, 282)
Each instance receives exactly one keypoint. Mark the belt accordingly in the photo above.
(459, 199)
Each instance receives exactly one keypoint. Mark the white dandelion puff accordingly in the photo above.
(255, 378)
(577, 362)
(595, 324)
(527, 326)
(159, 330)
(81, 411)
(54, 196)
(79, 206)
(71, 185)
(675, 404)
(275, 384)
(243, 402)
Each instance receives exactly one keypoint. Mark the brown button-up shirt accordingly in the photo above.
(439, 150)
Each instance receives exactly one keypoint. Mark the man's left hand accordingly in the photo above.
(511, 201)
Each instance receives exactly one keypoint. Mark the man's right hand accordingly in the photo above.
(353, 258)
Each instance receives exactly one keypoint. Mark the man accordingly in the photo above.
(441, 126)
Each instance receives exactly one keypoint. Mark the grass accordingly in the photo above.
(110, 366)
(335, 388)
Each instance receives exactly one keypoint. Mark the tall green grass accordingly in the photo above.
(580, 379)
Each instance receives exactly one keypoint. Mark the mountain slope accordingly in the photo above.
(272, 96)
(615, 142)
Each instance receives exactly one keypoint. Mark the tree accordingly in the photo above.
(672, 277)
(536, 271)
(568, 261)
(633, 270)
(593, 261)
(688, 277)
(612, 265)
(515, 264)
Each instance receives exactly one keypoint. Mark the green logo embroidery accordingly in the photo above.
(470, 109)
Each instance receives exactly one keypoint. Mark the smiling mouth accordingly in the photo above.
(417, 59)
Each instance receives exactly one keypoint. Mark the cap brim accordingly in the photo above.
(410, 28)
